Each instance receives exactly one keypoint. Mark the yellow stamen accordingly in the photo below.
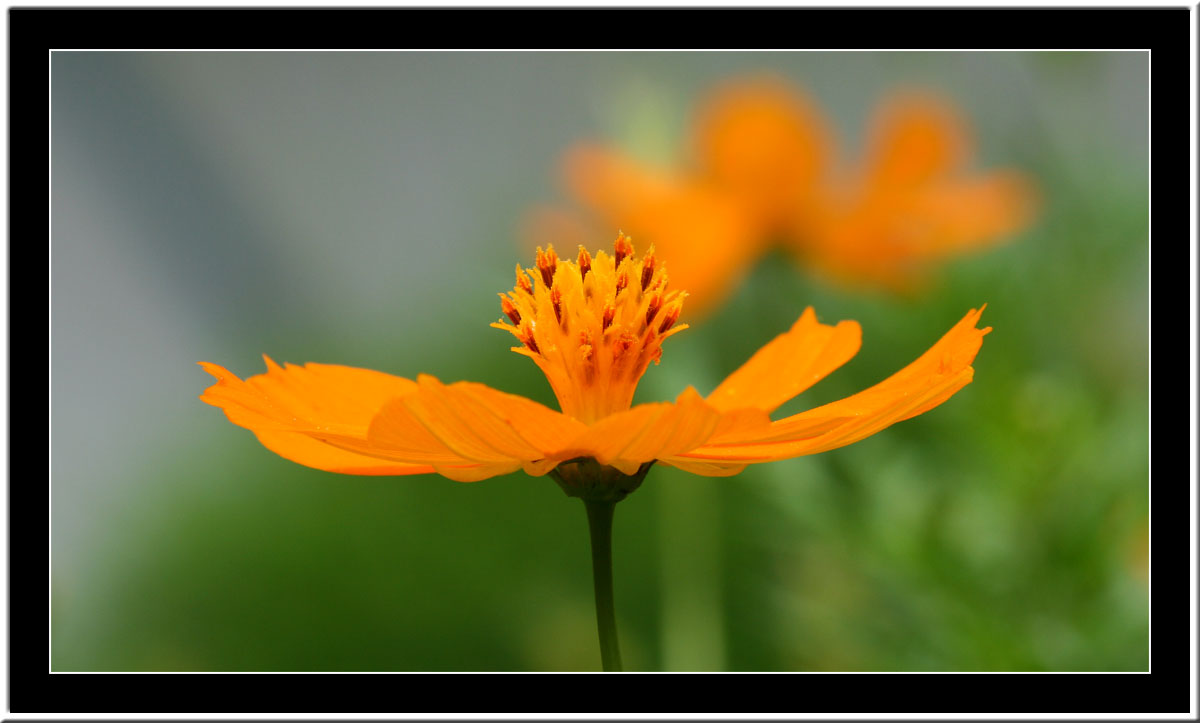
(523, 281)
(623, 247)
(511, 311)
(585, 263)
(547, 263)
(590, 330)
(647, 269)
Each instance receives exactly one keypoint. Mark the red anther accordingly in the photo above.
(523, 282)
(647, 270)
(585, 263)
(653, 307)
(622, 281)
(607, 319)
(669, 320)
(556, 300)
(623, 247)
(527, 337)
(510, 311)
(547, 263)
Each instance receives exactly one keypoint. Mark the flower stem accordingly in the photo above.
(600, 514)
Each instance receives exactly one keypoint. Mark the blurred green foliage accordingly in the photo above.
(1006, 530)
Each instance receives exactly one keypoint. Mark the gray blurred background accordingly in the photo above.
(364, 209)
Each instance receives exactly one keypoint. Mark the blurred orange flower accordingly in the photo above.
(763, 169)
(593, 326)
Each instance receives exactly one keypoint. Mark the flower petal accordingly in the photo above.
(764, 141)
(313, 394)
(312, 452)
(968, 213)
(704, 468)
(465, 423)
(613, 183)
(922, 385)
(789, 364)
(285, 405)
(628, 439)
(541, 427)
(686, 424)
(891, 239)
(915, 138)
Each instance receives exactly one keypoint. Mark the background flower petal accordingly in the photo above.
(976, 211)
(765, 142)
(915, 137)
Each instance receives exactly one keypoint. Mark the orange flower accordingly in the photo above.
(764, 170)
(593, 326)
(911, 201)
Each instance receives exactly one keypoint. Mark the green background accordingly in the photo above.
(364, 209)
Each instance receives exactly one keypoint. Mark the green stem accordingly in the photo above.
(600, 514)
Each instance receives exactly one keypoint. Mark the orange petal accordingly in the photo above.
(284, 406)
(974, 212)
(302, 397)
(468, 423)
(922, 385)
(765, 142)
(646, 432)
(704, 468)
(916, 137)
(911, 203)
(613, 183)
(739, 423)
(315, 453)
(708, 238)
(789, 364)
(780, 440)
(895, 408)
(892, 239)
(543, 428)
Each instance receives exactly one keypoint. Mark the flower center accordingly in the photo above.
(592, 325)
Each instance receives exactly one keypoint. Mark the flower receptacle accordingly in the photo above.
(591, 481)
